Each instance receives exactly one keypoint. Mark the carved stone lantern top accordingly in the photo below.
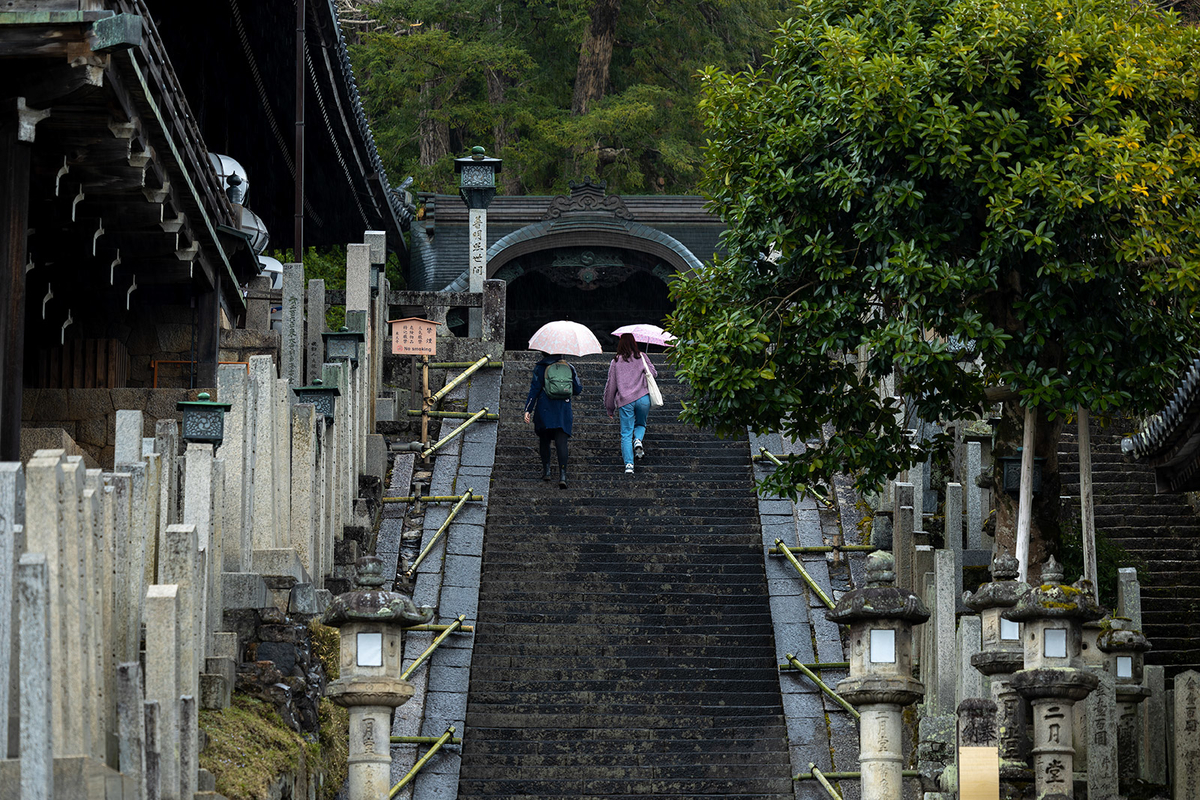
(372, 603)
(1054, 600)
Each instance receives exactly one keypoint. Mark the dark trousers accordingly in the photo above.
(561, 445)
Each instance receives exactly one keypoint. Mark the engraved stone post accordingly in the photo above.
(1187, 735)
(282, 461)
(131, 713)
(974, 497)
(232, 388)
(945, 603)
(978, 750)
(1129, 596)
(970, 680)
(1101, 717)
(303, 527)
(292, 338)
(163, 650)
(954, 537)
(262, 376)
(35, 642)
(358, 277)
(315, 324)
(12, 515)
(1153, 756)
(128, 438)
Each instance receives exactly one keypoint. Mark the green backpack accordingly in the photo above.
(559, 382)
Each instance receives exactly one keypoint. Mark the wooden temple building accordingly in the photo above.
(148, 155)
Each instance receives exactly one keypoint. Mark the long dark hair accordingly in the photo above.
(627, 347)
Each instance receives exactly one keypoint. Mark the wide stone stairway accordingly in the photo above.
(1161, 531)
(624, 645)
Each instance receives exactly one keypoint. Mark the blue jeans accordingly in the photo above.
(633, 424)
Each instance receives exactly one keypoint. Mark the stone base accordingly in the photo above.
(281, 570)
(83, 778)
(244, 590)
(216, 690)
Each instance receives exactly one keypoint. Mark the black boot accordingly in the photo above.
(562, 477)
(546, 471)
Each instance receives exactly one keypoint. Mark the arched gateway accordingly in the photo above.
(600, 260)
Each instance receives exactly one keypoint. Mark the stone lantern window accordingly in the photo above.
(1055, 642)
(1009, 631)
(370, 649)
(883, 646)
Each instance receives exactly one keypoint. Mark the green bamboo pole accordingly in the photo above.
(468, 372)
(457, 431)
(804, 487)
(814, 666)
(827, 548)
(422, 739)
(816, 773)
(848, 776)
(445, 525)
(416, 412)
(432, 627)
(461, 364)
(804, 574)
(439, 498)
(429, 650)
(412, 773)
(812, 676)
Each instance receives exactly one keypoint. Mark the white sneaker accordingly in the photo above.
(638, 450)
(629, 469)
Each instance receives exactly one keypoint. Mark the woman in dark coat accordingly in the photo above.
(551, 418)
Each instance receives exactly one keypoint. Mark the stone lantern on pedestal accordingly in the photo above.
(371, 620)
(1054, 677)
(881, 618)
(1124, 646)
(1001, 655)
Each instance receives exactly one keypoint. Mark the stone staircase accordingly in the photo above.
(1162, 531)
(624, 645)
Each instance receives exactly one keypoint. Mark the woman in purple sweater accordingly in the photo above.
(626, 394)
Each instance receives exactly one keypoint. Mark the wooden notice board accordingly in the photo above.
(414, 336)
(978, 773)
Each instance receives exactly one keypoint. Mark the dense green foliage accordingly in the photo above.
(898, 177)
(460, 73)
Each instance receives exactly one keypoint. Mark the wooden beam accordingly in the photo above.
(14, 224)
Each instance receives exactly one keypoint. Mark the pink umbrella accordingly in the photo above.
(647, 334)
(563, 337)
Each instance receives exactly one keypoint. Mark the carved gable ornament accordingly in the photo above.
(587, 196)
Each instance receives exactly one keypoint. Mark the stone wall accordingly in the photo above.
(89, 416)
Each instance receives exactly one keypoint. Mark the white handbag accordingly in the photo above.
(656, 399)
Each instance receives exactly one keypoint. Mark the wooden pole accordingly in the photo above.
(14, 226)
(298, 233)
(1025, 499)
(1087, 507)
(425, 401)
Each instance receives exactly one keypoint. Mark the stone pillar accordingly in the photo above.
(166, 444)
(314, 326)
(35, 641)
(197, 493)
(303, 527)
(1129, 596)
(132, 716)
(258, 304)
(880, 684)
(124, 638)
(232, 388)
(128, 437)
(1102, 736)
(92, 601)
(12, 518)
(283, 458)
(476, 266)
(904, 548)
(189, 746)
(181, 568)
(358, 277)
(494, 312)
(974, 497)
(954, 531)
(81, 698)
(944, 632)
(153, 783)
(163, 651)
(1153, 755)
(969, 644)
(1187, 735)
(292, 338)
(44, 479)
(262, 378)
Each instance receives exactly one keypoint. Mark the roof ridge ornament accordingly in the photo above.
(587, 196)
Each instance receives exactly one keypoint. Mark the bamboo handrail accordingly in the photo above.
(816, 773)
(824, 687)
(827, 548)
(815, 666)
(457, 431)
(468, 372)
(429, 650)
(804, 487)
(804, 574)
(449, 518)
(460, 364)
(434, 627)
(412, 773)
(416, 412)
(431, 498)
(843, 776)
(422, 739)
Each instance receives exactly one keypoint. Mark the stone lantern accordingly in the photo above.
(476, 186)
(881, 618)
(1054, 677)
(371, 620)
(1001, 655)
(1125, 646)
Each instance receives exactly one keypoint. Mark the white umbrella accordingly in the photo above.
(647, 334)
(563, 337)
